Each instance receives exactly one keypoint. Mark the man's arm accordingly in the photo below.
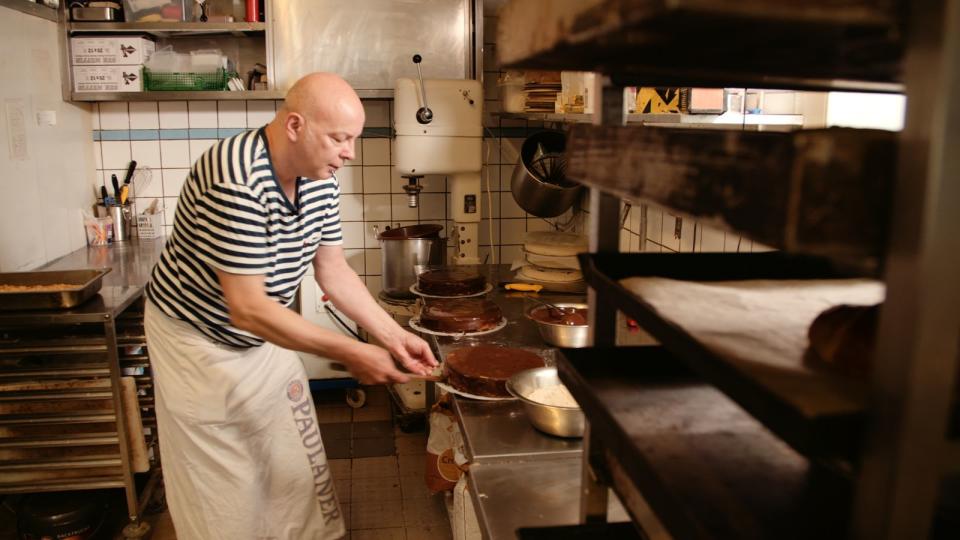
(350, 295)
(253, 311)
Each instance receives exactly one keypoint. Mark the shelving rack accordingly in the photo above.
(63, 418)
(163, 31)
(657, 418)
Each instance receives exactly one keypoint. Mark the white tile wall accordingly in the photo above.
(371, 188)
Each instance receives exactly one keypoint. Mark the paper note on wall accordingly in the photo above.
(16, 120)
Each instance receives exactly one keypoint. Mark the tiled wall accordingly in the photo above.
(168, 136)
(668, 233)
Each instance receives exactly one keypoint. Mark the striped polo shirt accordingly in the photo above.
(233, 215)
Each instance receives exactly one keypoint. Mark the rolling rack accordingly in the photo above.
(696, 444)
(66, 422)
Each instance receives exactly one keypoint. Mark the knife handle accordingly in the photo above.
(116, 185)
(130, 169)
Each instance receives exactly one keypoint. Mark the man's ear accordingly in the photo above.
(294, 125)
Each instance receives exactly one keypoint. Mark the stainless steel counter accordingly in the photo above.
(530, 493)
(131, 265)
(518, 477)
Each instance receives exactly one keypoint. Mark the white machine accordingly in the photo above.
(443, 136)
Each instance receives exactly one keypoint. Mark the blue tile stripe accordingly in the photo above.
(223, 133)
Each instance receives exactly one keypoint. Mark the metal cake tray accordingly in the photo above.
(61, 289)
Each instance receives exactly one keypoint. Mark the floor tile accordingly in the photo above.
(339, 468)
(365, 448)
(343, 488)
(375, 467)
(412, 464)
(436, 532)
(377, 395)
(375, 429)
(372, 412)
(411, 445)
(337, 448)
(395, 533)
(347, 510)
(338, 430)
(375, 489)
(329, 397)
(414, 487)
(425, 512)
(375, 515)
(334, 414)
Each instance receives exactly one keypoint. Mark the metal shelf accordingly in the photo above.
(164, 29)
(218, 95)
(703, 121)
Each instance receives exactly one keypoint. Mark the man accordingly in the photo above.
(242, 455)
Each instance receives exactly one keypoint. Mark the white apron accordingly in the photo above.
(240, 445)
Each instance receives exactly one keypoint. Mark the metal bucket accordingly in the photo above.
(529, 183)
(403, 249)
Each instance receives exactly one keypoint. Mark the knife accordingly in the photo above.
(103, 195)
(126, 179)
(116, 186)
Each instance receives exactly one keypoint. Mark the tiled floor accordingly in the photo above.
(378, 471)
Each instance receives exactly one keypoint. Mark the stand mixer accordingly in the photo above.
(443, 136)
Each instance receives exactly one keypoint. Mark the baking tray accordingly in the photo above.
(783, 408)
(77, 287)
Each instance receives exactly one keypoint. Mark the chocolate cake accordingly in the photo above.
(460, 315)
(451, 282)
(483, 370)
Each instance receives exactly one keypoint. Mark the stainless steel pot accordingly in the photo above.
(541, 160)
(403, 248)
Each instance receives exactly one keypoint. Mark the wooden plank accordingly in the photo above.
(824, 192)
(704, 466)
(653, 42)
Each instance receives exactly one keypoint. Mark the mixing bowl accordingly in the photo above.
(552, 419)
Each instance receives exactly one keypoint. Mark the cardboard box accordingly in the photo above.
(110, 51)
(107, 79)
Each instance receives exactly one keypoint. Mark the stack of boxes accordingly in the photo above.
(109, 63)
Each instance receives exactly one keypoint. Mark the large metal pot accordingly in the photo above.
(403, 248)
(538, 184)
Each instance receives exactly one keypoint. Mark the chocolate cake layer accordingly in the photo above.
(483, 370)
(451, 282)
(460, 314)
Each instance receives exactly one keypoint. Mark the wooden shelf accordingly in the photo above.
(818, 414)
(825, 192)
(703, 465)
(776, 44)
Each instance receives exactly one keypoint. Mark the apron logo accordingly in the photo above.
(295, 391)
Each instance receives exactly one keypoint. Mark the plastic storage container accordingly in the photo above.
(216, 80)
(157, 10)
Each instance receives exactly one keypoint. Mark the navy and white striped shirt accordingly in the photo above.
(232, 215)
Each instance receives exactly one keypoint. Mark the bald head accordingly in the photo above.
(315, 130)
(323, 97)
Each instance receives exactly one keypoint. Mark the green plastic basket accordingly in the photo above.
(186, 81)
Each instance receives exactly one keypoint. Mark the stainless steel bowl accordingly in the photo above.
(562, 335)
(559, 421)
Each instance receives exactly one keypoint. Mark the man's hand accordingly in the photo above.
(373, 365)
(412, 352)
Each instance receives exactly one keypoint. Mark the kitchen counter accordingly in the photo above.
(518, 477)
(131, 264)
